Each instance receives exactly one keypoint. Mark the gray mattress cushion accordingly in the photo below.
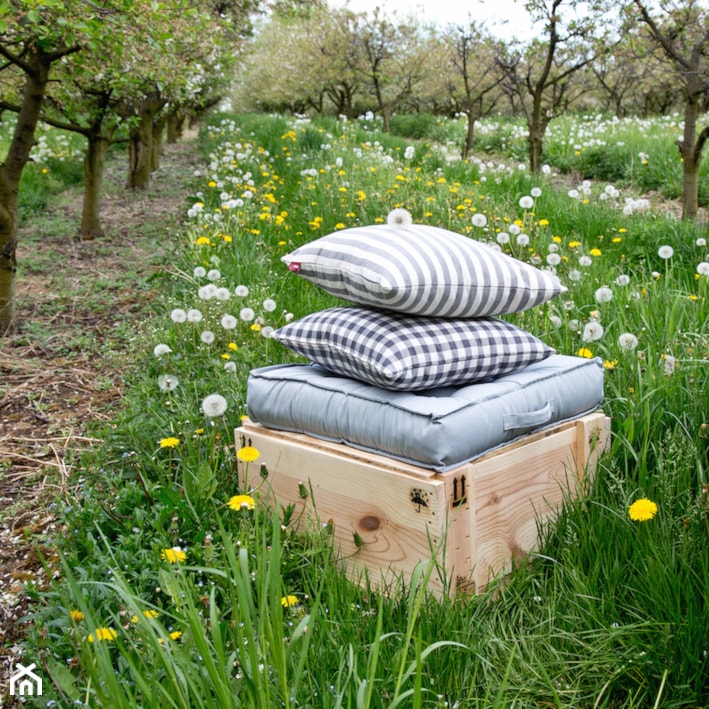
(438, 428)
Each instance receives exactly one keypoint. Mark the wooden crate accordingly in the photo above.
(388, 515)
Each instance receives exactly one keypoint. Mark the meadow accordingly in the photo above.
(178, 589)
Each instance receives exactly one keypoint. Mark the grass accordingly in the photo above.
(608, 613)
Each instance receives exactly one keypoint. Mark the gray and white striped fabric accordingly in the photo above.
(408, 353)
(421, 270)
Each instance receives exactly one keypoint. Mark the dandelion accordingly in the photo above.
(585, 261)
(479, 220)
(199, 272)
(214, 405)
(399, 218)
(665, 252)
(503, 238)
(622, 280)
(207, 292)
(207, 337)
(642, 510)
(241, 502)
(289, 601)
(228, 322)
(592, 331)
(526, 202)
(555, 321)
(102, 634)
(701, 241)
(178, 315)
(173, 555)
(536, 192)
(149, 613)
(247, 314)
(585, 352)
(574, 194)
(169, 442)
(409, 152)
(194, 315)
(248, 454)
(603, 295)
(669, 364)
(595, 252)
(230, 366)
(168, 382)
(222, 294)
(214, 274)
(522, 239)
(160, 350)
(241, 291)
(553, 259)
(703, 268)
(269, 305)
(514, 229)
(76, 616)
(627, 341)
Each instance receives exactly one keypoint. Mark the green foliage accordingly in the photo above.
(610, 612)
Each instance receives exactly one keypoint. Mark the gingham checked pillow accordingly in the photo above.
(421, 270)
(401, 352)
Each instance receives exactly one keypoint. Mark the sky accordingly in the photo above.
(442, 12)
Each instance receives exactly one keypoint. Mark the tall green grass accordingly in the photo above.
(608, 613)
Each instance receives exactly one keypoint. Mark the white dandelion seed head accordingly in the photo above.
(207, 336)
(269, 305)
(194, 315)
(585, 260)
(222, 294)
(522, 240)
(546, 169)
(703, 268)
(665, 252)
(207, 292)
(536, 192)
(409, 152)
(161, 349)
(555, 321)
(627, 341)
(399, 217)
(178, 315)
(214, 405)
(592, 331)
(288, 317)
(701, 241)
(669, 364)
(168, 382)
(514, 229)
(199, 272)
(553, 259)
(230, 366)
(575, 275)
(479, 220)
(247, 314)
(228, 322)
(603, 295)
(622, 280)
(214, 274)
(553, 247)
(503, 238)
(526, 202)
(267, 331)
(241, 291)
(574, 194)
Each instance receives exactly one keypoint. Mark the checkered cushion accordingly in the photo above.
(421, 270)
(400, 352)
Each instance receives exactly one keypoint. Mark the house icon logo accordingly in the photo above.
(25, 682)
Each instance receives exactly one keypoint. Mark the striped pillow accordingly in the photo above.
(402, 352)
(421, 270)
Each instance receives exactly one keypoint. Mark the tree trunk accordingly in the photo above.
(175, 127)
(469, 135)
(10, 174)
(140, 152)
(691, 157)
(93, 187)
(156, 147)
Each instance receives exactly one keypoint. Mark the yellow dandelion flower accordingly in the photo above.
(616, 240)
(642, 510)
(622, 230)
(585, 352)
(595, 252)
(610, 364)
(248, 454)
(574, 244)
(76, 616)
(226, 355)
(174, 555)
(289, 601)
(102, 634)
(211, 183)
(203, 241)
(545, 222)
(233, 346)
(169, 442)
(238, 502)
(149, 613)
(339, 225)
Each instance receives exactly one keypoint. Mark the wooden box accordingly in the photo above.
(388, 516)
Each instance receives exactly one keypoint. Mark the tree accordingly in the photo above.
(33, 39)
(474, 73)
(540, 77)
(681, 30)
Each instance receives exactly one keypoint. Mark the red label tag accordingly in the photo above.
(294, 266)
